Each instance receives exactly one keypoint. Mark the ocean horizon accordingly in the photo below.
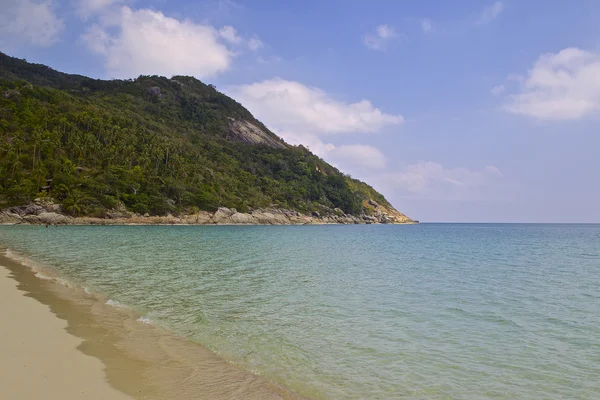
(435, 310)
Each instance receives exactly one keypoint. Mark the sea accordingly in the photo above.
(428, 311)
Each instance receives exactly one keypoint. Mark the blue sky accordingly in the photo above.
(483, 111)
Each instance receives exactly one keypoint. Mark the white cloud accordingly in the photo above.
(490, 13)
(427, 179)
(29, 21)
(302, 115)
(560, 86)
(379, 39)
(497, 90)
(426, 25)
(148, 42)
(386, 32)
(357, 156)
(229, 33)
(86, 8)
(255, 43)
(292, 106)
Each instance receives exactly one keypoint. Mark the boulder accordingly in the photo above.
(7, 217)
(222, 215)
(243, 218)
(34, 210)
(47, 218)
(369, 220)
(53, 218)
(26, 210)
(203, 218)
(270, 218)
(48, 204)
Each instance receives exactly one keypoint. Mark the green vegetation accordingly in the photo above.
(154, 144)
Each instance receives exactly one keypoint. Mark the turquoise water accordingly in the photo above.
(372, 312)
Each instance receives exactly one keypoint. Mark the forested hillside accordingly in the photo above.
(153, 144)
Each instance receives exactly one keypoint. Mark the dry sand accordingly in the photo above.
(38, 358)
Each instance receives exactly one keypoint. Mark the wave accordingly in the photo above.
(115, 304)
(39, 270)
(145, 320)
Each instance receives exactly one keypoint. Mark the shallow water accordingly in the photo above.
(427, 311)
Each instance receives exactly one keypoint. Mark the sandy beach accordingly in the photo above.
(61, 342)
(39, 358)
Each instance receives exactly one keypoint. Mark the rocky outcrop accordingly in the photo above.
(7, 217)
(243, 219)
(45, 211)
(384, 214)
(251, 133)
(33, 214)
(50, 218)
(48, 204)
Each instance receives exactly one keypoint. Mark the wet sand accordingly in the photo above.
(59, 342)
(39, 360)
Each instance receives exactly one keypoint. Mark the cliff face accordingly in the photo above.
(157, 146)
(249, 133)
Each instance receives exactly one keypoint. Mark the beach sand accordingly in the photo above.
(61, 342)
(38, 358)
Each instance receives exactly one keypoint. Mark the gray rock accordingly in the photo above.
(270, 218)
(7, 217)
(47, 218)
(34, 210)
(156, 92)
(369, 220)
(26, 210)
(48, 204)
(53, 218)
(243, 218)
(16, 210)
(222, 215)
(316, 214)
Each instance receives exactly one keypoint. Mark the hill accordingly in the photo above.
(156, 146)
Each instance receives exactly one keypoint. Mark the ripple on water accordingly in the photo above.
(429, 311)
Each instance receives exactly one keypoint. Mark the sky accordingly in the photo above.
(463, 111)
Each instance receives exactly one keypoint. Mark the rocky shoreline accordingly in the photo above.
(45, 211)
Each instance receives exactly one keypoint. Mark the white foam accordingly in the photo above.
(145, 320)
(86, 290)
(39, 275)
(114, 303)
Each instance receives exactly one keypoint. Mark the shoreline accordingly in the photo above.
(30, 329)
(140, 360)
(47, 212)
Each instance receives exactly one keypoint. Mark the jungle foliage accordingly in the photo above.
(154, 144)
